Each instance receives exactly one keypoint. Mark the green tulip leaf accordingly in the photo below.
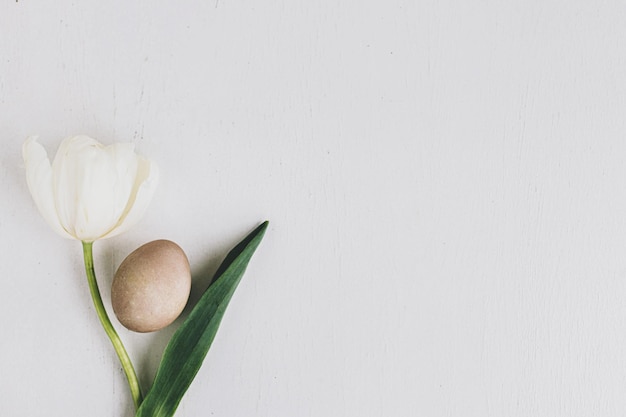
(189, 345)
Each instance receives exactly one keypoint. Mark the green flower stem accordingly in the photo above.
(133, 382)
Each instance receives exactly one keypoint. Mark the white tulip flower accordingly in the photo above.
(90, 191)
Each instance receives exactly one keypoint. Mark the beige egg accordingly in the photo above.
(151, 287)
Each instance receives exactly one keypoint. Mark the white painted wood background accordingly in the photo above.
(445, 181)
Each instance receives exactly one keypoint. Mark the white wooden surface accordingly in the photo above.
(445, 181)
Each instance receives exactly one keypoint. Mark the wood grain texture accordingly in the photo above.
(445, 183)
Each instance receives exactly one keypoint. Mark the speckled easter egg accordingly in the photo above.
(151, 287)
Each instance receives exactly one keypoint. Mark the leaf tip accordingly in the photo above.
(262, 227)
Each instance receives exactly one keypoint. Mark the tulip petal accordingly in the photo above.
(39, 180)
(78, 172)
(145, 184)
(106, 196)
